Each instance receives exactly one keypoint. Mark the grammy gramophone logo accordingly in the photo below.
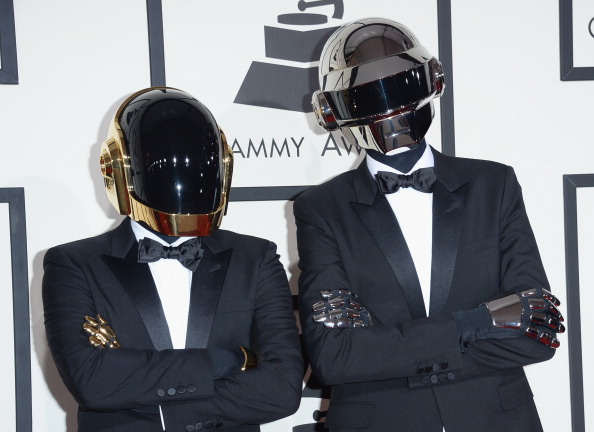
(300, 39)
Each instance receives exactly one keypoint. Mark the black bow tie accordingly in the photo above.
(189, 253)
(421, 180)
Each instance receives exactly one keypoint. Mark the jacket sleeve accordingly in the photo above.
(108, 379)
(520, 268)
(270, 391)
(365, 353)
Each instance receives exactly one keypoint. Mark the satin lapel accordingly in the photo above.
(207, 283)
(138, 282)
(449, 197)
(378, 218)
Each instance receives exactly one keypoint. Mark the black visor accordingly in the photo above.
(175, 152)
(382, 96)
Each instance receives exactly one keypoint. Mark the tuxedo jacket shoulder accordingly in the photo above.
(240, 296)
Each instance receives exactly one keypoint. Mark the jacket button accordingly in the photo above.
(199, 426)
(190, 428)
(435, 367)
(208, 425)
(171, 391)
(218, 425)
(420, 371)
(191, 388)
(434, 379)
(428, 369)
(441, 377)
(426, 379)
(160, 392)
(181, 389)
(451, 376)
(444, 364)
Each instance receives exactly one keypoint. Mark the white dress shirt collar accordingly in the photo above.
(425, 161)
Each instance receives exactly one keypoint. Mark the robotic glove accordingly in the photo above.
(341, 309)
(532, 313)
(100, 333)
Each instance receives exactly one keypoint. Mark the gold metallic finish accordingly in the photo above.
(250, 360)
(100, 333)
(112, 168)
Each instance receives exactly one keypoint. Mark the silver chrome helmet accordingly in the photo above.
(377, 84)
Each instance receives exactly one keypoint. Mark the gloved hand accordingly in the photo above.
(230, 361)
(532, 313)
(341, 309)
(101, 334)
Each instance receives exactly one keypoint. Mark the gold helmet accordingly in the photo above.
(166, 163)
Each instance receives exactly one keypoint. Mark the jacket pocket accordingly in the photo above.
(349, 415)
(515, 393)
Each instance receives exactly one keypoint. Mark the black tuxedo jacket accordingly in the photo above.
(408, 372)
(240, 296)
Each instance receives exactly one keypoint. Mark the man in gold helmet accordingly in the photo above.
(167, 322)
(422, 293)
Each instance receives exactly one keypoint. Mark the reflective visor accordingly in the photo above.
(175, 153)
(382, 96)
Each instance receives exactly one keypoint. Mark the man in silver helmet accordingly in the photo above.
(168, 322)
(422, 292)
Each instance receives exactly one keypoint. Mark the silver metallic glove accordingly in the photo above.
(533, 312)
(341, 309)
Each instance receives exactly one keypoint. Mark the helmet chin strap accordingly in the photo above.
(403, 161)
